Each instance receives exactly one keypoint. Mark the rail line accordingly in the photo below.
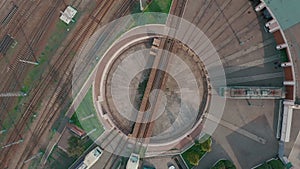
(74, 44)
(42, 87)
(23, 14)
(122, 124)
(13, 81)
(144, 130)
(123, 145)
(87, 30)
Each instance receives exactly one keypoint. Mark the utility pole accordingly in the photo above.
(13, 94)
(141, 5)
(2, 131)
(33, 157)
(29, 62)
(14, 143)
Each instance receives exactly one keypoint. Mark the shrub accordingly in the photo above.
(224, 164)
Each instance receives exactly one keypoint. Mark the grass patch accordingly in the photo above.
(193, 155)
(154, 6)
(159, 6)
(12, 117)
(273, 164)
(74, 120)
(87, 116)
(224, 164)
(56, 38)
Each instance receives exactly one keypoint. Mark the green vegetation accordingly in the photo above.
(283, 56)
(224, 164)
(34, 75)
(35, 162)
(74, 120)
(85, 117)
(142, 87)
(159, 6)
(193, 155)
(154, 6)
(56, 38)
(59, 159)
(12, 117)
(273, 164)
(76, 146)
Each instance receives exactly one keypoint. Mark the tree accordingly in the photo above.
(193, 158)
(276, 164)
(224, 164)
(206, 146)
(76, 146)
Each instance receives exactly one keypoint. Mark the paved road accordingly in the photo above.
(246, 133)
(236, 136)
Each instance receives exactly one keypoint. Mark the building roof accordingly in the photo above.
(78, 131)
(286, 12)
(252, 92)
(68, 14)
(286, 123)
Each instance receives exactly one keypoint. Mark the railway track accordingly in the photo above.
(12, 82)
(207, 25)
(142, 131)
(38, 92)
(54, 105)
(57, 95)
(123, 125)
(226, 23)
(114, 156)
(76, 4)
(120, 146)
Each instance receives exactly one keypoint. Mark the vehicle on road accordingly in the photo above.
(91, 158)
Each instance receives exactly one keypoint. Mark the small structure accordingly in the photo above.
(245, 92)
(68, 15)
(13, 94)
(76, 130)
(286, 123)
(133, 162)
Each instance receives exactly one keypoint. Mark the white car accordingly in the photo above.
(172, 166)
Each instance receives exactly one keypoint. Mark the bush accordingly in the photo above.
(276, 164)
(76, 146)
(193, 155)
(193, 158)
(206, 146)
(273, 164)
(224, 164)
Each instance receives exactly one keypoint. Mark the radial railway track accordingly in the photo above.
(64, 64)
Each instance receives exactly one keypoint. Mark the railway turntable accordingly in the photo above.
(153, 89)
